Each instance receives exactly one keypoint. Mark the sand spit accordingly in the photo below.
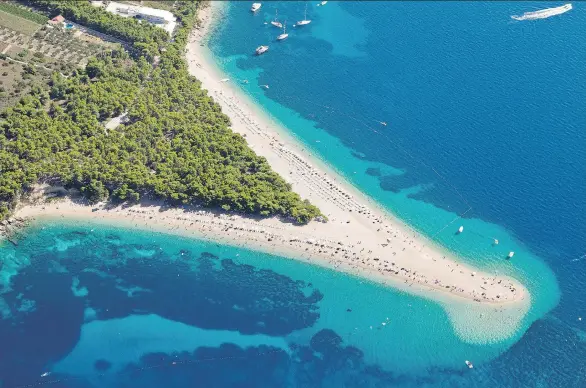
(360, 237)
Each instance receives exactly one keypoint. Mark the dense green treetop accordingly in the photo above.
(175, 143)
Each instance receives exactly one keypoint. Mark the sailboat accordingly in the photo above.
(284, 35)
(304, 21)
(276, 22)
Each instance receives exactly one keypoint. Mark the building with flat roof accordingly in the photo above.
(158, 17)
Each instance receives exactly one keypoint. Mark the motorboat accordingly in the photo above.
(261, 50)
(543, 13)
(255, 7)
(460, 229)
(470, 365)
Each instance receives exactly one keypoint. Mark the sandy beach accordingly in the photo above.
(360, 238)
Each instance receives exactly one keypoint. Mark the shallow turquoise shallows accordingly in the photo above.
(485, 128)
(102, 304)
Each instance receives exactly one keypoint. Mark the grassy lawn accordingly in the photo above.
(17, 23)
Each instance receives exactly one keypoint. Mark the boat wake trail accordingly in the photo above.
(543, 13)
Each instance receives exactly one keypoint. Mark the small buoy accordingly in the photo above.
(460, 229)
(510, 255)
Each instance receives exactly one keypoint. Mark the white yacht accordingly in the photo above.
(305, 21)
(284, 35)
(510, 255)
(460, 229)
(276, 22)
(255, 7)
(469, 364)
(261, 50)
(543, 13)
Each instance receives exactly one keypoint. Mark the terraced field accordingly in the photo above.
(54, 43)
(16, 23)
(30, 52)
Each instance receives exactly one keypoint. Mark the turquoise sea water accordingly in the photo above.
(485, 118)
(99, 306)
(485, 124)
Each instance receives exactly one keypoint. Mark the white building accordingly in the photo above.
(158, 17)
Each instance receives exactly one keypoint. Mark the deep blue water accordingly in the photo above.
(485, 116)
(486, 120)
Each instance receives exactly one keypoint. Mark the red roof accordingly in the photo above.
(58, 19)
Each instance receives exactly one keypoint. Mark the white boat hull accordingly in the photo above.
(261, 50)
(544, 13)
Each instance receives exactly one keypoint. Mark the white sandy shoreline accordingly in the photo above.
(341, 202)
(360, 238)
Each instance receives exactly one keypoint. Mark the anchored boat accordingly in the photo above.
(261, 50)
(284, 35)
(305, 21)
(276, 22)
